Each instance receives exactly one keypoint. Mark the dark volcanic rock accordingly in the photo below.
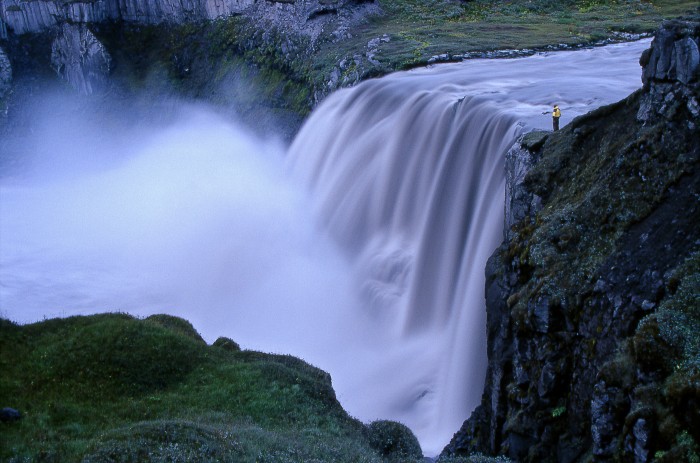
(592, 355)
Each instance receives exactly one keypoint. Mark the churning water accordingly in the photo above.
(360, 248)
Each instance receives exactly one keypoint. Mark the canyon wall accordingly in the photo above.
(302, 16)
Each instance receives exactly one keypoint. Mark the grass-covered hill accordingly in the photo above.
(113, 388)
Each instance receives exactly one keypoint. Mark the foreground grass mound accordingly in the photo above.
(115, 388)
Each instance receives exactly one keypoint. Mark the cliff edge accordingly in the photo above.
(593, 300)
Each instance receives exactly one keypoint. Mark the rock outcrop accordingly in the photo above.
(593, 299)
(671, 68)
(80, 59)
(300, 17)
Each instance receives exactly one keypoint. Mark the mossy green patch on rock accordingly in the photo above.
(177, 324)
(394, 441)
(115, 388)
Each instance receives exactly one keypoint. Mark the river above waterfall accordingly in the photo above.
(361, 248)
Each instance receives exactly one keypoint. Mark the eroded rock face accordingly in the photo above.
(519, 203)
(673, 55)
(38, 15)
(80, 59)
(586, 355)
(296, 16)
(5, 73)
(671, 67)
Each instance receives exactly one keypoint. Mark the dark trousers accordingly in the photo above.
(555, 123)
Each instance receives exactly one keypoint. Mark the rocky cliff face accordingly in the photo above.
(593, 300)
(306, 17)
(279, 32)
(80, 59)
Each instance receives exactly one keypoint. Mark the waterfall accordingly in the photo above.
(406, 173)
(360, 248)
(411, 184)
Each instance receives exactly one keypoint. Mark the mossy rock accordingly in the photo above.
(177, 324)
(394, 441)
(227, 344)
(534, 140)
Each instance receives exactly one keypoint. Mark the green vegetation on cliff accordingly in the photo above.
(114, 388)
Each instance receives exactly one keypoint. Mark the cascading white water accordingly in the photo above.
(411, 184)
(407, 175)
(196, 217)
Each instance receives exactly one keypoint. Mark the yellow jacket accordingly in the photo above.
(556, 112)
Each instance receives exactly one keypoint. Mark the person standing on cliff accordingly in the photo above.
(556, 114)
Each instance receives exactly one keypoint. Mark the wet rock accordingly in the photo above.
(80, 59)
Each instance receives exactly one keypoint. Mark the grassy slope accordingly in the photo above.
(114, 388)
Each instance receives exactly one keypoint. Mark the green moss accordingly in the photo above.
(114, 388)
(394, 441)
(227, 344)
(559, 411)
(176, 324)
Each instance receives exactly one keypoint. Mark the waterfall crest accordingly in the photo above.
(410, 183)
